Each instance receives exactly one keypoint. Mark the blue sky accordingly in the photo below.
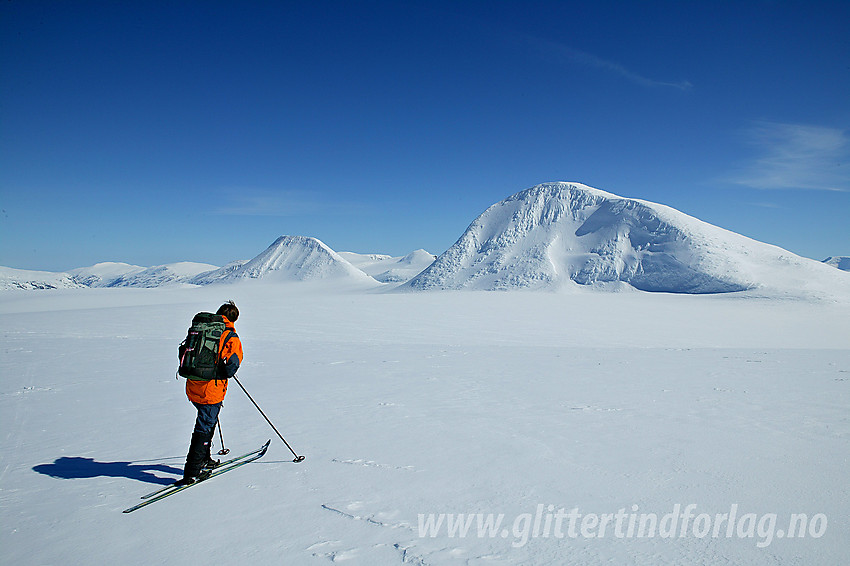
(153, 132)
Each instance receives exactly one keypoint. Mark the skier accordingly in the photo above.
(207, 396)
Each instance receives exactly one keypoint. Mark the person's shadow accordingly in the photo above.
(74, 468)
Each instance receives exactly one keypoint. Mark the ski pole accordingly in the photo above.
(223, 450)
(297, 457)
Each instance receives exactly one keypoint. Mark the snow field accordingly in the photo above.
(422, 403)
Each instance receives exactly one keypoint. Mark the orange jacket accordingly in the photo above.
(212, 392)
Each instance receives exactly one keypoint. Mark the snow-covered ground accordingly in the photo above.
(527, 405)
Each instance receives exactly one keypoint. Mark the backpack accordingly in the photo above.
(199, 353)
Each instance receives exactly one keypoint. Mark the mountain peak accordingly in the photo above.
(294, 258)
(558, 234)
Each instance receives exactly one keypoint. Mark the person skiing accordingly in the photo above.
(207, 397)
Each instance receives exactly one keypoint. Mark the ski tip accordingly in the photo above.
(264, 448)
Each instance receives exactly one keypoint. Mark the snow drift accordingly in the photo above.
(556, 234)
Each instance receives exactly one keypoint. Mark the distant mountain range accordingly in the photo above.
(289, 258)
(548, 237)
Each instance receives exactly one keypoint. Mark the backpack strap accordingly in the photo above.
(231, 334)
(221, 361)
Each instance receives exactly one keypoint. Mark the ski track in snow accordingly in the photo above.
(370, 464)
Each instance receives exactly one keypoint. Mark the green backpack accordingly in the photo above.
(199, 353)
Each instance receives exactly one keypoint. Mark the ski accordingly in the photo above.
(221, 465)
(231, 465)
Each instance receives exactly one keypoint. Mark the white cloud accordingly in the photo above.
(590, 60)
(797, 156)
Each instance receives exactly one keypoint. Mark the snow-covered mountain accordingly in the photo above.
(550, 236)
(160, 275)
(291, 258)
(218, 274)
(388, 269)
(11, 278)
(841, 262)
(557, 234)
(104, 274)
(107, 274)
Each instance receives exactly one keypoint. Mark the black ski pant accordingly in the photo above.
(199, 447)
